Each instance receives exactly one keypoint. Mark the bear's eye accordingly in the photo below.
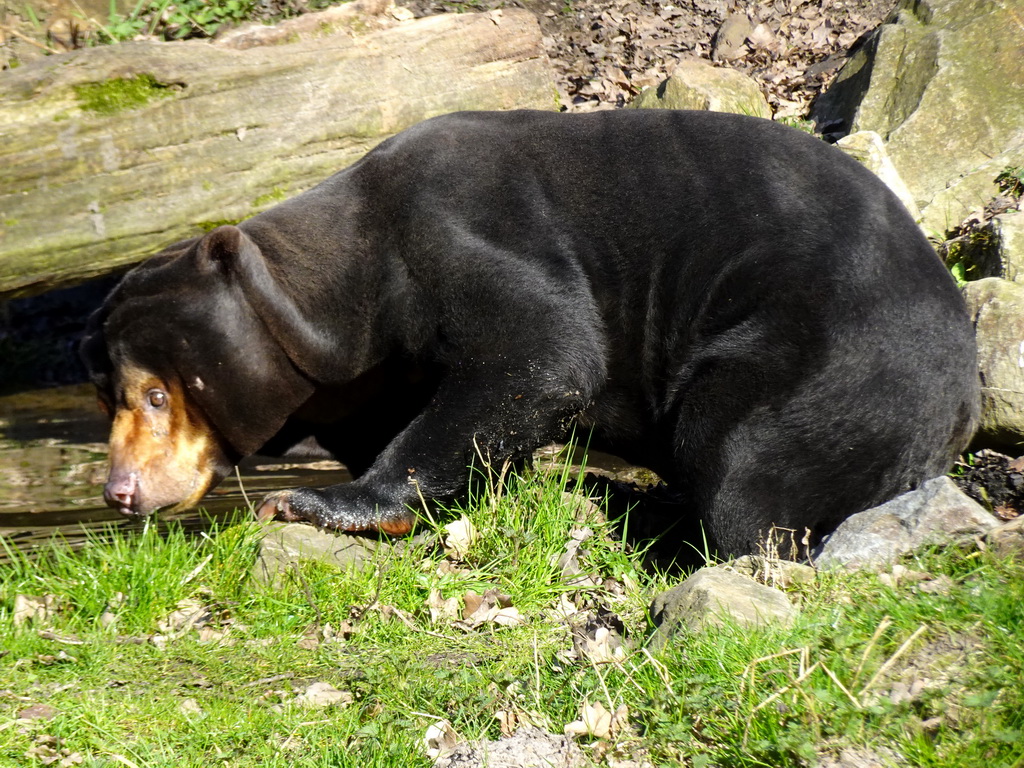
(157, 398)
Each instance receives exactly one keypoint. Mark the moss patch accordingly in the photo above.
(276, 195)
(209, 226)
(120, 94)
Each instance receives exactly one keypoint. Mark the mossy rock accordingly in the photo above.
(943, 85)
(697, 85)
(997, 310)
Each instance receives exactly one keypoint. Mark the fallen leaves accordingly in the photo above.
(193, 615)
(439, 739)
(607, 51)
(32, 609)
(458, 537)
(596, 721)
(49, 750)
(473, 610)
(320, 694)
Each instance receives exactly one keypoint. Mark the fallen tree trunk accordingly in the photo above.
(108, 154)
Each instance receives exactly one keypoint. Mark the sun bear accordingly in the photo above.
(729, 302)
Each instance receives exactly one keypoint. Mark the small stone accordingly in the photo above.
(286, 544)
(38, 712)
(699, 85)
(935, 512)
(728, 42)
(1008, 538)
(713, 596)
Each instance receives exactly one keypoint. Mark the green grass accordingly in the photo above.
(186, 19)
(727, 697)
(1011, 181)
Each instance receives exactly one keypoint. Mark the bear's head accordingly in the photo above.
(190, 374)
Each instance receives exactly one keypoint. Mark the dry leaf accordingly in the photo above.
(492, 607)
(38, 712)
(309, 640)
(188, 613)
(598, 722)
(565, 609)
(459, 536)
(604, 648)
(441, 608)
(508, 721)
(439, 739)
(594, 721)
(211, 635)
(323, 695)
(38, 610)
(761, 36)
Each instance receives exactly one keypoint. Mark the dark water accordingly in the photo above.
(53, 464)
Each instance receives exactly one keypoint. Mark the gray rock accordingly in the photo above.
(1008, 231)
(935, 512)
(1008, 538)
(730, 38)
(699, 85)
(528, 748)
(713, 596)
(285, 544)
(868, 148)
(944, 87)
(997, 310)
(967, 194)
(864, 757)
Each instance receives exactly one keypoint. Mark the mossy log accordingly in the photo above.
(108, 154)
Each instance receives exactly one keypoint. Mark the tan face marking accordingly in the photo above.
(163, 452)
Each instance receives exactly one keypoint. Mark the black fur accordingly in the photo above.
(734, 304)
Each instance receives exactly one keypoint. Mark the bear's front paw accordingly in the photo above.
(335, 509)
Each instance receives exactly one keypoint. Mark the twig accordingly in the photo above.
(842, 687)
(195, 571)
(242, 489)
(268, 680)
(4, 28)
(882, 626)
(660, 668)
(309, 595)
(751, 665)
(892, 659)
(775, 696)
(48, 635)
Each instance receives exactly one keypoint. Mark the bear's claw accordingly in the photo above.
(307, 505)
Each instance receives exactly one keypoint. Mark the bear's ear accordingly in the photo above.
(220, 250)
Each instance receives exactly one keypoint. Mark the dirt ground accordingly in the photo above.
(606, 51)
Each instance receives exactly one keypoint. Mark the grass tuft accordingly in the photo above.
(154, 648)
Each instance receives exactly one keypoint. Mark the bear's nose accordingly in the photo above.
(119, 492)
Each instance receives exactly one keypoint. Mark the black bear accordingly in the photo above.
(734, 304)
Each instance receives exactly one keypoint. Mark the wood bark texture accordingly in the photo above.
(231, 130)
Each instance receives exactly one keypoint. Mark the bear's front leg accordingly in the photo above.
(494, 412)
